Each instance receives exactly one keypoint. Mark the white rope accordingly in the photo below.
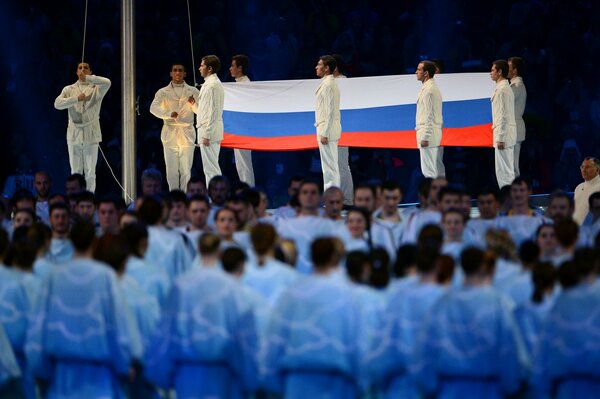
(99, 147)
(191, 41)
(113, 174)
(84, 31)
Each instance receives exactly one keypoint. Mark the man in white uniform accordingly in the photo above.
(429, 122)
(503, 124)
(83, 100)
(590, 170)
(172, 104)
(328, 121)
(347, 185)
(515, 69)
(243, 158)
(210, 116)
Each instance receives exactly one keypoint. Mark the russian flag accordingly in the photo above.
(377, 112)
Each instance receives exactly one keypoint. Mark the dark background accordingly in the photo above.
(41, 44)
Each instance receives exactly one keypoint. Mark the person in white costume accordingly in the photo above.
(83, 100)
(173, 105)
(346, 183)
(515, 70)
(210, 116)
(503, 124)
(429, 122)
(328, 121)
(243, 158)
(590, 171)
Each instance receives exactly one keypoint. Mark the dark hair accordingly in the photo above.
(112, 249)
(40, 234)
(150, 210)
(252, 196)
(212, 62)
(199, 198)
(370, 187)
(380, 268)
(178, 64)
(295, 178)
(518, 64)
(444, 269)
(85, 196)
(429, 67)
(82, 235)
(430, 237)
(448, 190)
(310, 181)
(473, 260)
(543, 277)
(585, 261)
(133, 234)
(218, 179)
(455, 210)
(405, 258)
(263, 237)
(20, 195)
(426, 259)
(367, 216)
(117, 201)
(595, 196)
(355, 264)
(339, 63)
(59, 205)
(502, 66)
(566, 232)
(151, 174)
(391, 185)
(233, 259)
(241, 60)
(177, 196)
(85, 62)
(561, 194)
(425, 186)
(529, 252)
(322, 251)
(439, 64)
(208, 244)
(226, 209)
(519, 180)
(329, 62)
(22, 252)
(488, 191)
(568, 275)
(78, 177)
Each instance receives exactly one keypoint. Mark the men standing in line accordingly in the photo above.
(328, 121)
(503, 124)
(173, 105)
(515, 70)
(210, 116)
(83, 100)
(346, 183)
(429, 122)
(243, 158)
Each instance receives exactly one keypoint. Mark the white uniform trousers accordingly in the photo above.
(210, 159)
(505, 169)
(347, 185)
(517, 151)
(432, 162)
(83, 159)
(178, 163)
(243, 164)
(329, 163)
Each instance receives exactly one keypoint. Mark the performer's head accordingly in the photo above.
(339, 65)
(84, 68)
(325, 66)
(239, 66)
(210, 64)
(178, 73)
(516, 67)
(425, 71)
(499, 70)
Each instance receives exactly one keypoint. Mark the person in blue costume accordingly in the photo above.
(408, 307)
(61, 248)
(470, 346)
(567, 358)
(151, 278)
(532, 314)
(82, 339)
(205, 345)
(314, 334)
(166, 248)
(9, 369)
(15, 305)
(112, 249)
(266, 275)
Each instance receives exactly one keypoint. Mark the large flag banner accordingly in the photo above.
(377, 112)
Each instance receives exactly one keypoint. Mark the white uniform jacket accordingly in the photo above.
(518, 88)
(210, 110)
(327, 111)
(429, 114)
(84, 116)
(503, 114)
(174, 98)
